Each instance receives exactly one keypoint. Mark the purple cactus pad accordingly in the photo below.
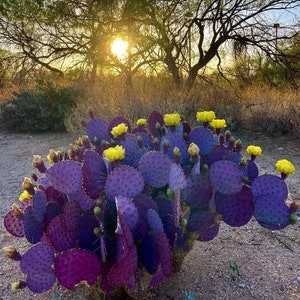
(237, 209)
(155, 168)
(269, 185)
(128, 210)
(13, 224)
(73, 266)
(32, 227)
(164, 252)
(71, 216)
(154, 221)
(97, 129)
(271, 213)
(143, 203)
(81, 198)
(176, 140)
(203, 138)
(36, 259)
(148, 254)
(226, 177)
(121, 272)
(41, 282)
(198, 191)
(93, 174)
(60, 238)
(124, 180)
(65, 176)
(155, 118)
(39, 202)
(177, 178)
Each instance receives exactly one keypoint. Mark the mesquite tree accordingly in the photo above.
(180, 36)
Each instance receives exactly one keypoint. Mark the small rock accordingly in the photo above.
(242, 285)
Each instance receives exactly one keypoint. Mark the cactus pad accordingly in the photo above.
(37, 258)
(122, 271)
(149, 254)
(93, 174)
(97, 129)
(71, 216)
(176, 140)
(128, 210)
(203, 138)
(198, 191)
(204, 223)
(39, 202)
(124, 180)
(32, 227)
(65, 176)
(271, 213)
(236, 209)
(73, 266)
(14, 224)
(177, 178)
(155, 168)
(60, 238)
(226, 177)
(270, 185)
(155, 118)
(41, 282)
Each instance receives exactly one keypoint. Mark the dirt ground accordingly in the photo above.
(268, 261)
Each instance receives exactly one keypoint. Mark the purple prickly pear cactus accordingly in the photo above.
(122, 206)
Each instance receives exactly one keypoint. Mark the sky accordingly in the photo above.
(287, 17)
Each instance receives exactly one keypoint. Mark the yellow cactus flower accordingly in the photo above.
(254, 150)
(119, 130)
(24, 195)
(218, 123)
(114, 153)
(141, 122)
(172, 119)
(205, 116)
(284, 166)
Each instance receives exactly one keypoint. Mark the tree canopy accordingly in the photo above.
(182, 37)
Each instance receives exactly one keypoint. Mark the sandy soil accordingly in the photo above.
(268, 261)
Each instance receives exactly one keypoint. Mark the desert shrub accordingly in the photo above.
(39, 109)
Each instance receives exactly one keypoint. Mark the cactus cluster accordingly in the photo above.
(125, 203)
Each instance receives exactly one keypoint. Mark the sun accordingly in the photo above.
(119, 47)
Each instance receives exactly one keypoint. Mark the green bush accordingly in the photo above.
(40, 109)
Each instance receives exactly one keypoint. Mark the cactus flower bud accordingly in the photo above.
(38, 163)
(16, 210)
(12, 253)
(193, 150)
(27, 184)
(17, 285)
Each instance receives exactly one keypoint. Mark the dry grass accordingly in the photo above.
(256, 108)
